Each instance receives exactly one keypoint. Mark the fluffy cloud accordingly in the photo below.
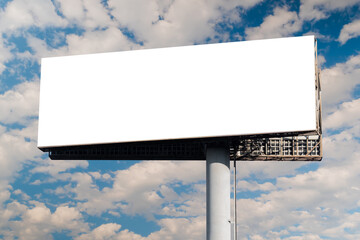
(319, 9)
(4, 192)
(180, 228)
(351, 30)
(37, 222)
(109, 231)
(282, 23)
(111, 39)
(108, 40)
(315, 203)
(21, 13)
(145, 188)
(156, 23)
(66, 218)
(89, 14)
(171, 228)
(5, 55)
(254, 186)
(348, 114)
(338, 82)
(266, 170)
(16, 147)
(172, 23)
(20, 104)
(57, 168)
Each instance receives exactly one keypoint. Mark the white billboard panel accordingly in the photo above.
(225, 89)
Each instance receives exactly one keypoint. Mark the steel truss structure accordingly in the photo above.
(300, 148)
(288, 148)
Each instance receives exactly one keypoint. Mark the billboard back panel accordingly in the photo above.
(200, 91)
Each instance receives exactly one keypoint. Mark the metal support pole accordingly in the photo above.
(218, 224)
(235, 208)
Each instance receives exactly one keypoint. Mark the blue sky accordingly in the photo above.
(43, 199)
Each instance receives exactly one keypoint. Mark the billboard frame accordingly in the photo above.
(195, 148)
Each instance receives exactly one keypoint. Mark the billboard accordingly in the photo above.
(189, 92)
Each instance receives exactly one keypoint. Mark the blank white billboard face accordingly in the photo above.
(226, 89)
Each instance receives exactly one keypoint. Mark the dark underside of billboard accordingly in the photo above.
(259, 148)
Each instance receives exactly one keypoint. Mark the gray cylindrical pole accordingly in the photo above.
(218, 225)
(235, 213)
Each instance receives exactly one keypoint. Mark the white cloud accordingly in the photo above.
(338, 83)
(254, 186)
(146, 188)
(21, 14)
(4, 192)
(22, 195)
(181, 20)
(284, 23)
(266, 170)
(38, 214)
(340, 147)
(145, 178)
(20, 104)
(110, 231)
(304, 236)
(321, 60)
(66, 217)
(276, 235)
(95, 175)
(105, 231)
(348, 114)
(37, 222)
(312, 204)
(350, 30)
(135, 14)
(111, 39)
(72, 9)
(281, 23)
(108, 40)
(319, 9)
(173, 23)
(5, 54)
(55, 168)
(171, 228)
(182, 23)
(180, 228)
(89, 14)
(106, 176)
(16, 149)
(29, 132)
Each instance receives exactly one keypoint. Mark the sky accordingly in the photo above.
(149, 200)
